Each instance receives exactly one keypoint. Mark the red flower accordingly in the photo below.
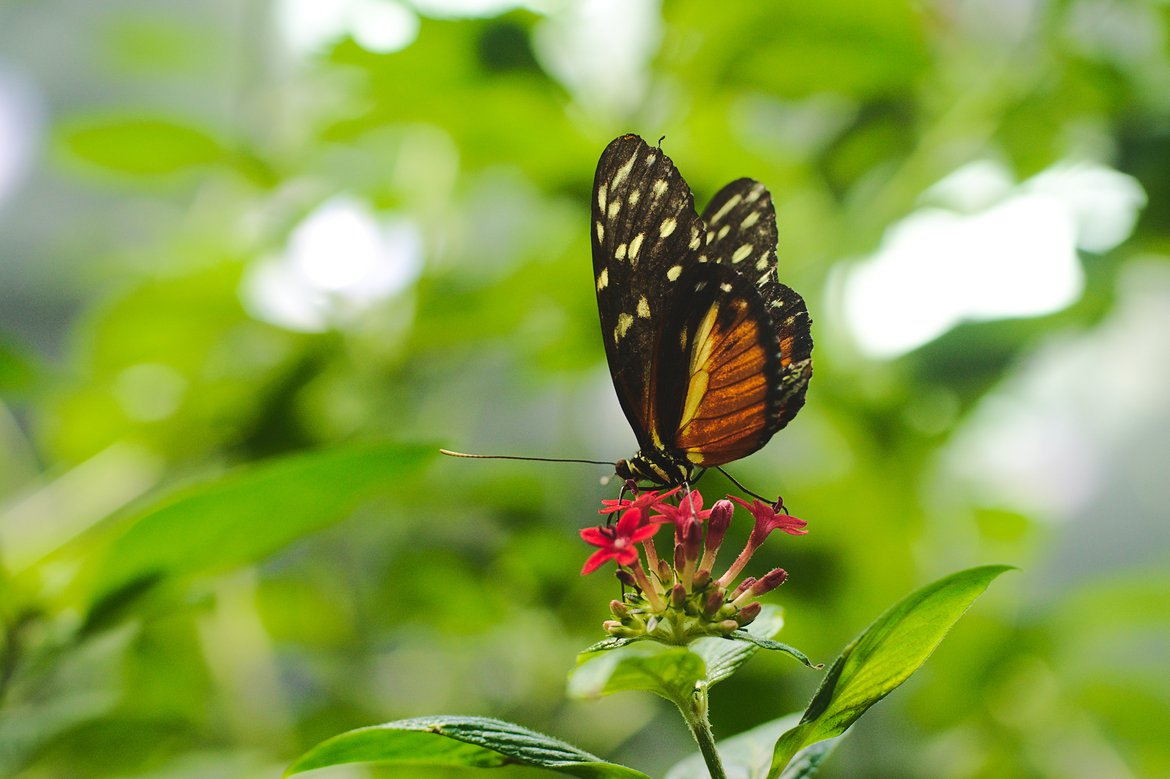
(689, 507)
(643, 502)
(618, 542)
(767, 520)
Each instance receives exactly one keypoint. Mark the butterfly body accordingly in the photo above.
(710, 354)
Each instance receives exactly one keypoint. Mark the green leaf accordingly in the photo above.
(725, 655)
(244, 516)
(475, 742)
(140, 146)
(669, 671)
(883, 657)
(749, 754)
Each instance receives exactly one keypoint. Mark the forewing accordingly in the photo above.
(720, 368)
(645, 232)
(741, 233)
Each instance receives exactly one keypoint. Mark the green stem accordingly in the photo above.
(694, 712)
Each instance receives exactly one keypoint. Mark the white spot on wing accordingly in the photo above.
(600, 231)
(754, 195)
(725, 287)
(613, 208)
(636, 246)
(623, 326)
(620, 252)
(764, 278)
(634, 195)
(667, 226)
(749, 220)
(723, 231)
(659, 187)
(601, 193)
(741, 253)
(763, 263)
(674, 272)
(651, 158)
(731, 203)
(643, 307)
(695, 237)
(603, 279)
(624, 171)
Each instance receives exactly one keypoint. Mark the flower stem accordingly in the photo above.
(694, 712)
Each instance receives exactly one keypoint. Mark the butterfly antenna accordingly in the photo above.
(735, 481)
(465, 455)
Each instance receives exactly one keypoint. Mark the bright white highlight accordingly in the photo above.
(21, 123)
(601, 51)
(341, 259)
(1049, 438)
(378, 26)
(1013, 253)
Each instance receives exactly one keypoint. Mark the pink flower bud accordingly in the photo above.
(713, 603)
(772, 579)
(678, 595)
(743, 587)
(748, 613)
(701, 579)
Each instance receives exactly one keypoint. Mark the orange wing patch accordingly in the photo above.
(725, 413)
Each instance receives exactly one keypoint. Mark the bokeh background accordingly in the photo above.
(259, 259)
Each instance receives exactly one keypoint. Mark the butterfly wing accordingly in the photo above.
(718, 368)
(645, 232)
(741, 233)
(709, 353)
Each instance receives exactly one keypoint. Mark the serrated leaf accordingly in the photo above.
(748, 755)
(669, 671)
(882, 657)
(243, 516)
(476, 742)
(143, 146)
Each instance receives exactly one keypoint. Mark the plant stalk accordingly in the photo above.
(694, 712)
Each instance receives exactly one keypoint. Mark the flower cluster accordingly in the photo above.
(678, 600)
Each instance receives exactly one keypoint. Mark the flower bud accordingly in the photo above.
(772, 579)
(748, 613)
(743, 587)
(701, 579)
(728, 626)
(626, 578)
(619, 609)
(713, 602)
(719, 521)
(678, 595)
(717, 525)
(665, 572)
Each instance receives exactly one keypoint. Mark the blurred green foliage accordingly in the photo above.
(222, 536)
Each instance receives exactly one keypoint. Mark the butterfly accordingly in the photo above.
(709, 353)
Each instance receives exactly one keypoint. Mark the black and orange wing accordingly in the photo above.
(741, 233)
(709, 353)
